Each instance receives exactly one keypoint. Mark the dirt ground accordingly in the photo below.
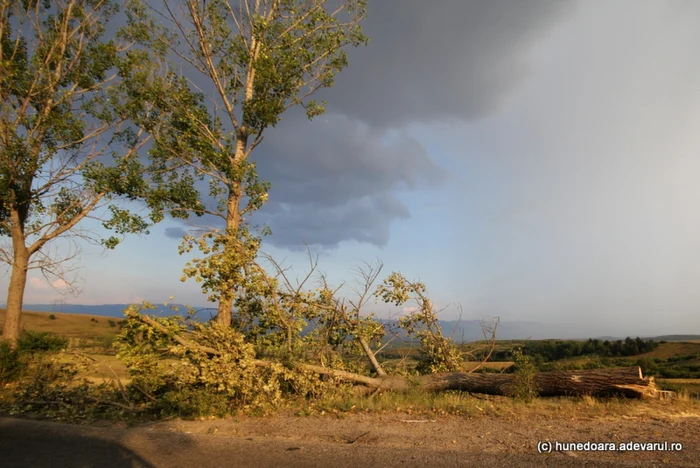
(344, 440)
(495, 436)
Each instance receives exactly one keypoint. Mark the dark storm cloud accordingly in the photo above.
(337, 183)
(450, 59)
(339, 177)
(335, 158)
(362, 220)
(336, 179)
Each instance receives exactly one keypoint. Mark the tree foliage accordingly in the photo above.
(260, 58)
(68, 148)
(212, 368)
(438, 353)
(553, 350)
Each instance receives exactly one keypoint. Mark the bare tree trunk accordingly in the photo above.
(372, 358)
(225, 313)
(15, 295)
(233, 222)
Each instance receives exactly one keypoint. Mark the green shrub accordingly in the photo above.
(197, 382)
(32, 341)
(52, 387)
(524, 388)
(195, 402)
(52, 317)
(671, 386)
(11, 363)
(648, 366)
(111, 323)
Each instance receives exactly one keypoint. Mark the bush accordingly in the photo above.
(52, 387)
(195, 402)
(111, 323)
(32, 341)
(671, 386)
(648, 366)
(11, 364)
(52, 317)
(524, 388)
(202, 383)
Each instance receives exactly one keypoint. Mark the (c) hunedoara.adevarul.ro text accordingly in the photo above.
(547, 446)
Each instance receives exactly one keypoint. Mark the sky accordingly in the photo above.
(535, 161)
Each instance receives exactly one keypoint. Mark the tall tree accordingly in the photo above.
(255, 59)
(67, 150)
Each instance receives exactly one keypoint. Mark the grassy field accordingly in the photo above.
(93, 335)
(672, 349)
(86, 332)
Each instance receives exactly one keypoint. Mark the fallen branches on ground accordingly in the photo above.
(624, 381)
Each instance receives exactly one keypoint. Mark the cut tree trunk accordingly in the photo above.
(627, 381)
(623, 381)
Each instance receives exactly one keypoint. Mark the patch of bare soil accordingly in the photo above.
(500, 436)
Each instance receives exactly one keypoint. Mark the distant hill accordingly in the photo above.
(470, 330)
(459, 330)
(676, 338)
(656, 338)
(111, 310)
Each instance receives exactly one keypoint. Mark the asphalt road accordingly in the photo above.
(29, 443)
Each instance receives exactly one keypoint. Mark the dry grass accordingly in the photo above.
(411, 363)
(431, 405)
(106, 367)
(416, 403)
(498, 365)
(671, 349)
(689, 387)
(82, 331)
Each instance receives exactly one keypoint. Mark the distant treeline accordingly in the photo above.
(553, 350)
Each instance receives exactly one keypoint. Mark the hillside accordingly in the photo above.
(459, 330)
(677, 338)
(104, 310)
(81, 330)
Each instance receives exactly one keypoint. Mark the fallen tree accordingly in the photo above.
(623, 381)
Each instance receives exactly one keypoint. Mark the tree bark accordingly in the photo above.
(225, 311)
(626, 381)
(15, 295)
(233, 220)
(623, 381)
(371, 356)
(233, 223)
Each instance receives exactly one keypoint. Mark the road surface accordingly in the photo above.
(30, 443)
